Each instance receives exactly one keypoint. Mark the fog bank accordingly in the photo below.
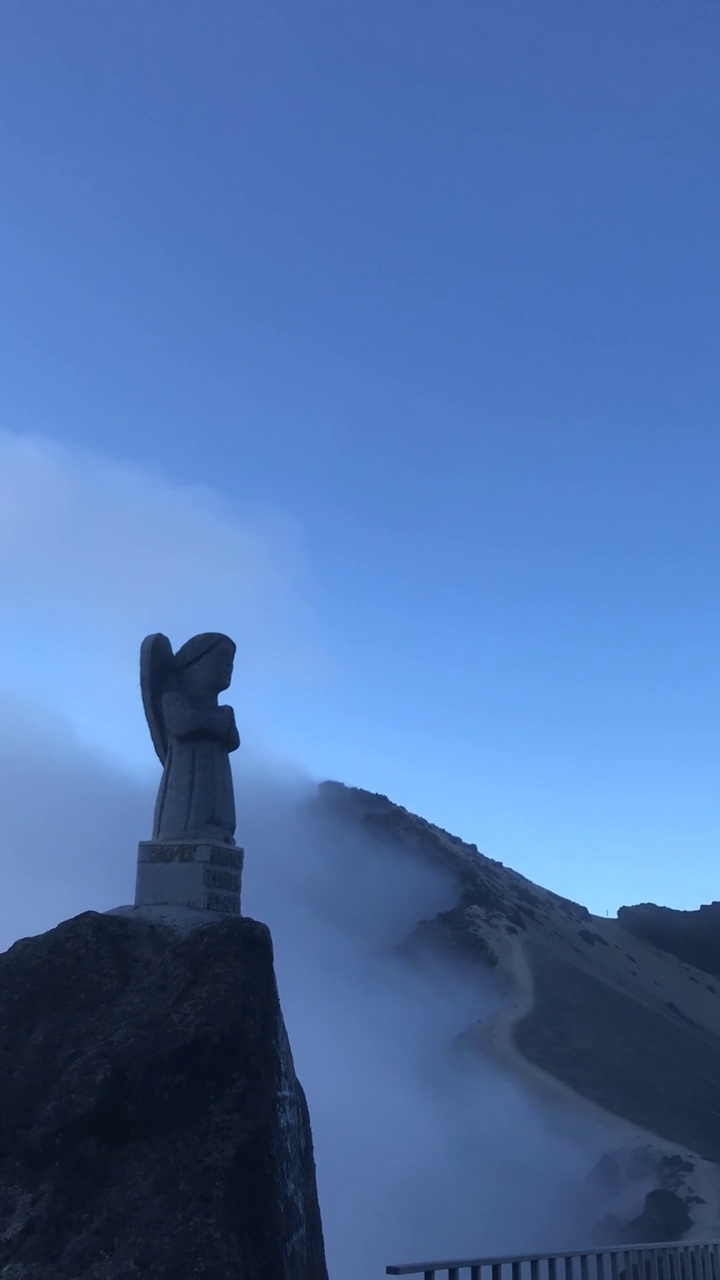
(420, 1153)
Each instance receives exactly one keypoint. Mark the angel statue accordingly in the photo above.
(192, 735)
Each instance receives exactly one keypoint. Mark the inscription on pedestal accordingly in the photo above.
(190, 873)
(216, 878)
(171, 852)
(226, 858)
(221, 902)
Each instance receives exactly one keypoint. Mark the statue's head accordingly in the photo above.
(204, 665)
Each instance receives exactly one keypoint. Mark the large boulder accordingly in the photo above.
(664, 1217)
(151, 1122)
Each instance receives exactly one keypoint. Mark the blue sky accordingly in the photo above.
(424, 297)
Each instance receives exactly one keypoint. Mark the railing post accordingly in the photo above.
(692, 1266)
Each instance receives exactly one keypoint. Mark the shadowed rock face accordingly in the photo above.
(151, 1123)
(664, 1217)
(692, 936)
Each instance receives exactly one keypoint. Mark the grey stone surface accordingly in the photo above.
(189, 873)
(181, 919)
(192, 735)
(151, 1121)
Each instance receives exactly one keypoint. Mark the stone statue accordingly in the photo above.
(192, 735)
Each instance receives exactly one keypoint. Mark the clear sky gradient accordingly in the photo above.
(430, 290)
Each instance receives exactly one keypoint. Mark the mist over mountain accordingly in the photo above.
(465, 1039)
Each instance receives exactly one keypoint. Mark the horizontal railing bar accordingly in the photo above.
(414, 1268)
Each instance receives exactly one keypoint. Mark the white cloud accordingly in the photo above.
(94, 554)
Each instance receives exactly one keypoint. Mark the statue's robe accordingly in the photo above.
(196, 800)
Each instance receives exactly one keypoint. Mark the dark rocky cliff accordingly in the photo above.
(151, 1123)
(692, 936)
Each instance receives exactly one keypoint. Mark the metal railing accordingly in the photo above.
(694, 1260)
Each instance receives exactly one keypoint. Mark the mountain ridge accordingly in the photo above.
(598, 1013)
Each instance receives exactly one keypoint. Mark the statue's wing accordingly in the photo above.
(156, 666)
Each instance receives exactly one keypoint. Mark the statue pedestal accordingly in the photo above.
(189, 873)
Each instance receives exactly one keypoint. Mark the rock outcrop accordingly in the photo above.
(151, 1122)
(665, 1216)
(667, 1208)
(692, 936)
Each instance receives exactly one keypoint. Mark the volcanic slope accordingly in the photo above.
(630, 1028)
